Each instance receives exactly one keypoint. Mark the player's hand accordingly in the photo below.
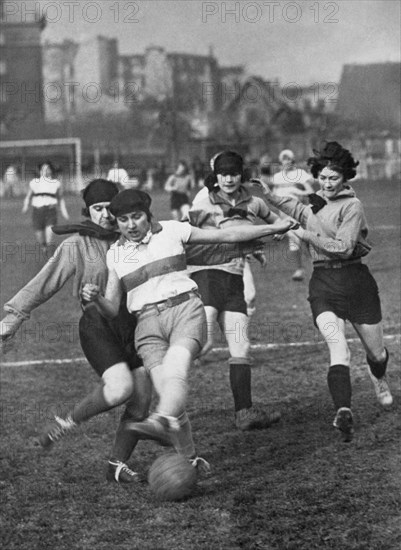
(9, 326)
(283, 226)
(299, 231)
(90, 292)
(259, 184)
(261, 258)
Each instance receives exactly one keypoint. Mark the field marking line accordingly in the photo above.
(256, 347)
(384, 227)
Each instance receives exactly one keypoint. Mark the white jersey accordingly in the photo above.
(294, 182)
(118, 175)
(45, 192)
(154, 270)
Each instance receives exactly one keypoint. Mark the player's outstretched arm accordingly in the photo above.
(239, 233)
(289, 205)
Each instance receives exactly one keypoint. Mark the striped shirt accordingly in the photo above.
(292, 183)
(155, 270)
(45, 192)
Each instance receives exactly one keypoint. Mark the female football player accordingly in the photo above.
(230, 204)
(179, 186)
(107, 344)
(148, 263)
(44, 195)
(342, 287)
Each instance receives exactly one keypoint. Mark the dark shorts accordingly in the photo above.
(105, 342)
(178, 199)
(221, 290)
(350, 292)
(44, 217)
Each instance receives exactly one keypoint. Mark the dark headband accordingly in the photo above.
(228, 162)
(99, 191)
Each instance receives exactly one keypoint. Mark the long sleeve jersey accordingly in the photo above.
(80, 257)
(337, 231)
(84, 259)
(213, 211)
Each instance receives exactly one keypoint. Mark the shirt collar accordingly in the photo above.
(346, 192)
(155, 227)
(243, 196)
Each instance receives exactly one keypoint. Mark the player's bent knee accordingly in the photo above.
(118, 384)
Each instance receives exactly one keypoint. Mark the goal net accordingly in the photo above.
(20, 159)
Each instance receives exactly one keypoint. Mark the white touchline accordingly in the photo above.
(260, 347)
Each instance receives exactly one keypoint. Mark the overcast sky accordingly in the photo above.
(303, 42)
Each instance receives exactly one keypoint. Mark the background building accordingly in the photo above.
(21, 74)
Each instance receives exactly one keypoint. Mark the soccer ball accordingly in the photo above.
(172, 477)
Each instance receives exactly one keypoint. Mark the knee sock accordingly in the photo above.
(174, 396)
(93, 404)
(240, 381)
(339, 382)
(378, 369)
(125, 440)
(182, 438)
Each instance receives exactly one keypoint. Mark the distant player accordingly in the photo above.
(117, 174)
(45, 195)
(294, 182)
(179, 185)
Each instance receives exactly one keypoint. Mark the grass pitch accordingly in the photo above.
(293, 486)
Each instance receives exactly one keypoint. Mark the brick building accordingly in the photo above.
(93, 74)
(21, 72)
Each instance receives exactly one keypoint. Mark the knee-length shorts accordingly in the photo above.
(183, 324)
(222, 290)
(350, 292)
(43, 217)
(108, 342)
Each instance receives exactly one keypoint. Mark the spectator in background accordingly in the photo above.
(149, 181)
(265, 168)
(294, 182)
(10, 182)
(118, 175)
(160, 175)
(45, 194)
(198, 170)
(179, 185)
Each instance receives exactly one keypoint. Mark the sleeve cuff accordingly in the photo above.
(18, 314)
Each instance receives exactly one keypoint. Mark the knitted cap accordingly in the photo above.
(130, 200)
(99, 190)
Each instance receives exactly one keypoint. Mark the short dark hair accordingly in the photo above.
(183, 163)
(131, 200)
(49, 164)
(334, 156)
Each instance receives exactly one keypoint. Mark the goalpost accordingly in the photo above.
(26, 154)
